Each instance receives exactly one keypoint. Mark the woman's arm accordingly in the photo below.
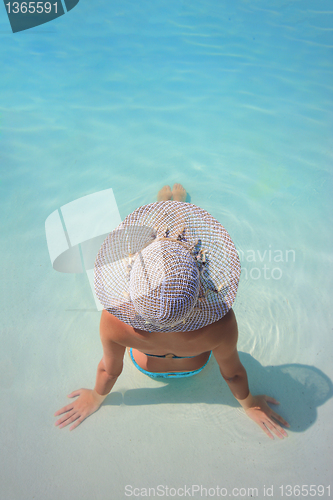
(110, 366)
(88, 401)
(235, 375)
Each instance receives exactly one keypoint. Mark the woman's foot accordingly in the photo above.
(164, 194)
(178, 192)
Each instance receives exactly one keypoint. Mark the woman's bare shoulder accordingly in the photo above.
(224, 332)
(111, 328)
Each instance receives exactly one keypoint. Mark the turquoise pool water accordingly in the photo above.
(233, 100)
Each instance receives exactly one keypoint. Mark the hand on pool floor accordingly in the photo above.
(265, 417)
(87, 403)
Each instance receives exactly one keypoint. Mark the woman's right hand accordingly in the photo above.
(88, 402)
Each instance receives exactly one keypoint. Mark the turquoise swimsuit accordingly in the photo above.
(168, 374)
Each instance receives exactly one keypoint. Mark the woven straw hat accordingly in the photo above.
(169, 266)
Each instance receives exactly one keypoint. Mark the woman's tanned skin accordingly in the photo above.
(219, 337)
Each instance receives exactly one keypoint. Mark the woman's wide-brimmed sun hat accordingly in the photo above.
(169, 266)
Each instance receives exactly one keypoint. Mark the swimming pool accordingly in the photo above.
(233, 100)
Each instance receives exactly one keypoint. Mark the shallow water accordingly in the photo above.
(234, 101)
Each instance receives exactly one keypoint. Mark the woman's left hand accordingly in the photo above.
(265, 417)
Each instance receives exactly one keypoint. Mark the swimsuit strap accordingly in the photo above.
(170, 355)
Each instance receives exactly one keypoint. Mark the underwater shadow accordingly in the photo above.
(300, 389)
